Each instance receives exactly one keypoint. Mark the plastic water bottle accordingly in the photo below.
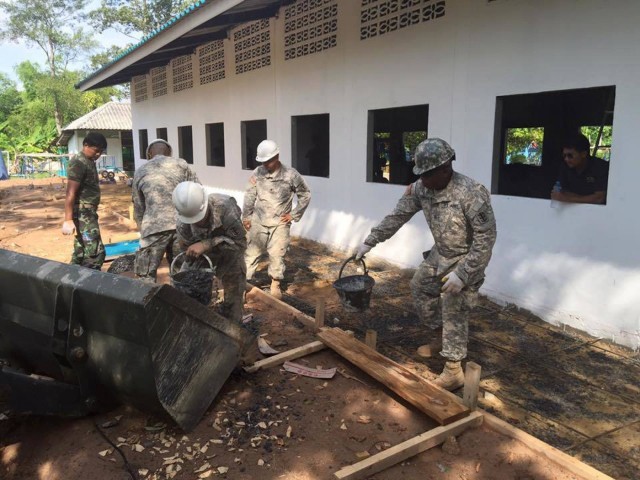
(556, 188)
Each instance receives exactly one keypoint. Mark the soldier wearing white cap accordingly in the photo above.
(268, 211)
(153, 184)
(445, 285)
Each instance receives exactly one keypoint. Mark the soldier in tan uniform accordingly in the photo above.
(445, 285)
(211, 224)
(267, 211)
(153, 184)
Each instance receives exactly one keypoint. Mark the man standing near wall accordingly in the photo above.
(211, 224)
(81, 203)
(267, 211)
(153, 184)
(445, 285)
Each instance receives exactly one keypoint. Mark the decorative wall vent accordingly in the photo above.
(310, 27)
(211, 59)
(182, 70)
(252, 46)
(158, 81)
(139, 88)
(378, 17)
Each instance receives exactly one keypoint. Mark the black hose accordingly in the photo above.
(127, 465)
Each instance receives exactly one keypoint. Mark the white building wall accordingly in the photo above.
(575, 265)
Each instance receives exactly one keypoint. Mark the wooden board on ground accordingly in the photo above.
(280, 305)
(444, 407)
(292, 354)
(404, 450)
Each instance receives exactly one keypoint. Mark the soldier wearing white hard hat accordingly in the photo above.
(268, 211)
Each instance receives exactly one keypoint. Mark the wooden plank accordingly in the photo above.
(371, 338)
(558, 457)
(444, 407)
(320, 309)
(292, 354)
(280, 305)
(408, 449)
(471, 385)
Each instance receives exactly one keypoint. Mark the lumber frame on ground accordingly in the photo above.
(292, 354)
(280, 305)
(407, 449)
(444, 407)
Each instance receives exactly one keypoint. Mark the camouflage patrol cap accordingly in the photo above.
(432, 153)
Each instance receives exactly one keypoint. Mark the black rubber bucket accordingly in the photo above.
(355, 290)
(197, 284)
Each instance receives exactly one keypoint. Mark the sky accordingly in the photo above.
(11, 54)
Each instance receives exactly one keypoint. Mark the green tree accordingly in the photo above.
(55, 26)
(9, 97)
(136, 18)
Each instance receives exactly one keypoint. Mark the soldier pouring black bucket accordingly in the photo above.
(445, 285)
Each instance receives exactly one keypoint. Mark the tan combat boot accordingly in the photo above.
(275, 289)
(452, 376)
(434, 346)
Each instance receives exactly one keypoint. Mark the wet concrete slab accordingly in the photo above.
(562, 398)
(577, 393)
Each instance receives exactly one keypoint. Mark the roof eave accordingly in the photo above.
(188, 23)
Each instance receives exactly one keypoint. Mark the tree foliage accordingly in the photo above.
(136, 17)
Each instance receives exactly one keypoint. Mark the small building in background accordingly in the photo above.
(113, 120)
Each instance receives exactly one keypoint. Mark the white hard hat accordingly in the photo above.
(267, 150)
(190, 201)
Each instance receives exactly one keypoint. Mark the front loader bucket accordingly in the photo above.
(84, 339)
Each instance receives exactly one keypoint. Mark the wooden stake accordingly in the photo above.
(471, 385)
(285, 356)
(404, 450)
(320, 308)
(131, 213)
(371, 338)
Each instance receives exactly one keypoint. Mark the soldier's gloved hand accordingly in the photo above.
(452, 283)
(363, 250)
(68, 227)
(196, 250)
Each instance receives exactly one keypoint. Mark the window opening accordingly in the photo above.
(310, 144)
(394, 134)
(252, 133)
(185, 143)
(215, 144)
(143, 140)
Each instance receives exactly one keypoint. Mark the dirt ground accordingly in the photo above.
(271, 424)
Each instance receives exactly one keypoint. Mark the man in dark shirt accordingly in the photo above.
(583, 178)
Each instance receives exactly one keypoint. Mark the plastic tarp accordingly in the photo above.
(4, 174)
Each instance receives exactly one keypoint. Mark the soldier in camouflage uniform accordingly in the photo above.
(211, 224)
(81, 203)
(267, 211)
(153, 184)
(458, 211)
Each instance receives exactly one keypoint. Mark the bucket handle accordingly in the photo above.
(182, 253)
(366, 272)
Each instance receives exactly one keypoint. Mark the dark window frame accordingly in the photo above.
(215, 154)
(143, 141)
(185, 143)
(560, 113)
(389, 148)
(249, 144)
(313, 161)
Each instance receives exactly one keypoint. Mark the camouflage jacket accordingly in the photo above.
(84, 171)
(224, 226)
(270, 195)
(461, 220)
(153, 185)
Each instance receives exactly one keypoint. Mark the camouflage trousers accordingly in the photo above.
(231, 270)
(449, 311)
(272, 240)
(152, 248)
(88, 249)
